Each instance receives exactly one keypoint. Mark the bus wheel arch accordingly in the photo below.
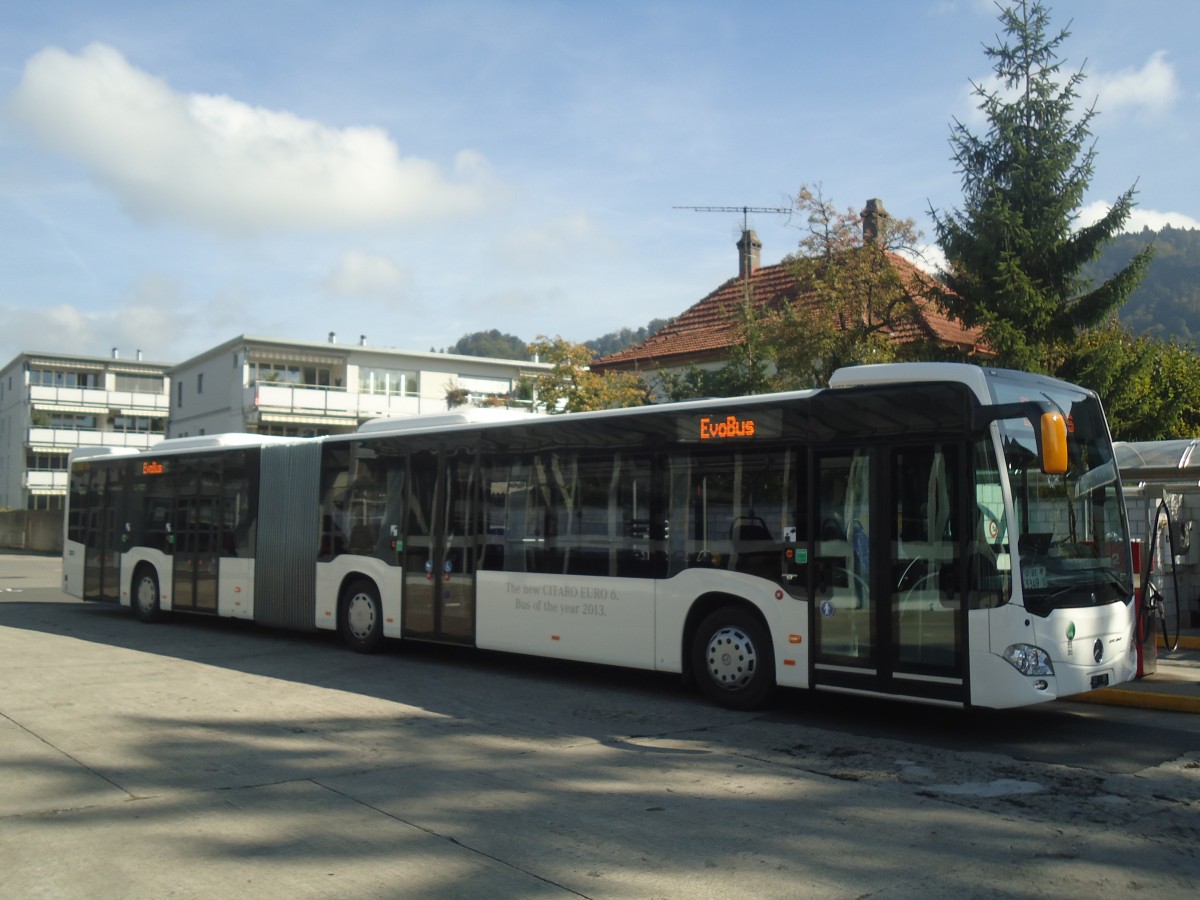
(360, 614)
(146, 596)
(727, 645)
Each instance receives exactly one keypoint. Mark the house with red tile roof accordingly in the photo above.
(705, 334)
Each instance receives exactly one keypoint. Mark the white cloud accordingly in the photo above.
(1152, 88)
(215, 162)
(1138, 218)
(141, 325)
(927, 258)
(358, 274)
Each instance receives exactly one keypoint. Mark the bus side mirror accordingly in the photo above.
(1054, 443)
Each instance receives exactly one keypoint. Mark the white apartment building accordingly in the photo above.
(51, 403)
(269, 386)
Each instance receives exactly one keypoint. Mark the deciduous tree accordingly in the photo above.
(571, 386)
(853, 299)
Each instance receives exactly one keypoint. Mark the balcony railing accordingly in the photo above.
(91, 399)
(45, 480)
(70, 438)
(332, 403)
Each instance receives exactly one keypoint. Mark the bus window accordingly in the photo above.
(733, 511)
(569, 513)
(362, 496)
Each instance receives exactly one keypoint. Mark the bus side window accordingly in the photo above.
(733, 511)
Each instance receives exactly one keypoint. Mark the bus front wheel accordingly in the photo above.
(146, 604)
(732, 659)
(362, 617)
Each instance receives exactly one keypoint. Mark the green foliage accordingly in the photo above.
(1150, 388)
(858, 299)
(1166, 304)
(507, 346)
(749, 369)
(1014, 259)
(492, 344)
(615, 341)
(456, 396)
(570, 386)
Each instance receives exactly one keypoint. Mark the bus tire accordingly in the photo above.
(360, 617)
(146, 605)
(732, 660)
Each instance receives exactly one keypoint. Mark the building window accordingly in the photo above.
(61, 378)
(138, 384)
(138, 425)
(279, 373)
(200, 383)
(45, 462)
(179, 394)
(68, 421)
(389, 382)
(480, 388)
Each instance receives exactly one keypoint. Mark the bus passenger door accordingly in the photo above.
(844, 628)
(925, 535)
(100, 537)
(196, 534)
(441, 549)
(887, 611)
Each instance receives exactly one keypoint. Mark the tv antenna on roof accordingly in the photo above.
(744, 210)
(747, 245)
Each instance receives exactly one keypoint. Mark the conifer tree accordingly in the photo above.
(1014, 254)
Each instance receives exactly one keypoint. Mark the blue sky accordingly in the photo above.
(175, 174)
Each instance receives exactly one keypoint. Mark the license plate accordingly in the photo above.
(1099, 681)
(1034, 577)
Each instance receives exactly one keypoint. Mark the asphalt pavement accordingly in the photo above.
(214, 759)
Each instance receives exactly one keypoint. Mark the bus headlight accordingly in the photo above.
(1028, 659)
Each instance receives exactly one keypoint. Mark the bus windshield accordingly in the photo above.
(1072, 539)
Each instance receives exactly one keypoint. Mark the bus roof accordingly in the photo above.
(467, 416)
(218, 441)
(890, 373)
(93, 452)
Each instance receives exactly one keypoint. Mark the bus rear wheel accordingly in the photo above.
(732, 659)
(362, 617)
(146, 605)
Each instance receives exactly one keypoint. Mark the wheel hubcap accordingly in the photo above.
(360, 616)
(732, 658)
(145, 595)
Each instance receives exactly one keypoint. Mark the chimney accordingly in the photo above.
(872, 219)
(749, 254)
(362, 340)
(333, 337)
(116, 353)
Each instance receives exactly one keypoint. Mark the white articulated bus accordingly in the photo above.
(936, 532)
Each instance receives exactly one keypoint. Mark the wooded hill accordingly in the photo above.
(1166, 304)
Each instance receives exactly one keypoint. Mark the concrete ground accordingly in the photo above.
(214, 759)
